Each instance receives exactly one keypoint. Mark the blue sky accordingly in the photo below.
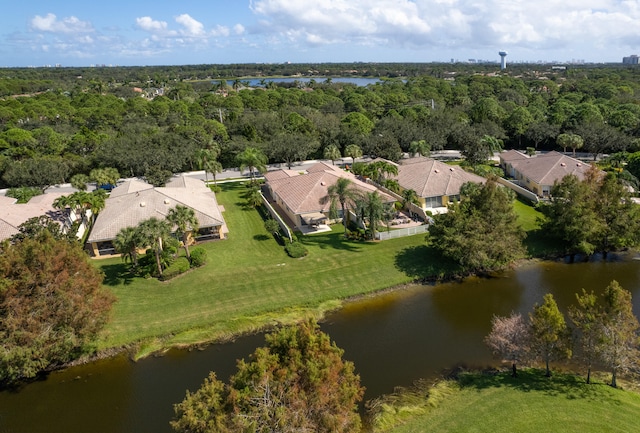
(143, 32)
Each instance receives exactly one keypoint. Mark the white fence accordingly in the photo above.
(277, 217)
(399, 233)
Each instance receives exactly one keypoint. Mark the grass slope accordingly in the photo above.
(530, 403)
(249, 281)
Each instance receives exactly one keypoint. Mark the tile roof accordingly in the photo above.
(512, 155)
(133, 203)
(304, 193)
(545, 169)
(13, 214)
(431, 178)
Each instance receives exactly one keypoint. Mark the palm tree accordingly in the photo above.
(492, 144)
(213, 166)
(419, 148)
(332, 152)
(79, 181)
(410, 196)
(252, 158)
(152, 232)
(373, 209)
(353, 151)
(380, 170)
(204, 157)
(253, 196)
(342, 191)
(127, 242)
(184, 218)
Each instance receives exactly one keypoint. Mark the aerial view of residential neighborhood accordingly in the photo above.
(361, 217)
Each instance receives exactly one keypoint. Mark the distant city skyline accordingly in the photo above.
(81, 33)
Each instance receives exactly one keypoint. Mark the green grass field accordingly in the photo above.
(531, 403)
(249, 282)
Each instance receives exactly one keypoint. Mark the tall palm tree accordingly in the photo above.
(373, 209)
(213, 166)
(253, 159)
(204, 157)
(332, 152)
(127, 242)
(353, 151)
(152, 232)
(184, 218)
(342, 191)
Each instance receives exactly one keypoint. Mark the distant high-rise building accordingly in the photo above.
(631, 60)
(503, 59)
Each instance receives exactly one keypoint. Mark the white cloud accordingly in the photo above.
(150, 25)
(50, 23)
(441, 23)
(191, 26)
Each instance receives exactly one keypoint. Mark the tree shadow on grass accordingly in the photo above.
(569, 386)
(424, 263)
(330, 240)
(115, 275)
(261, 237)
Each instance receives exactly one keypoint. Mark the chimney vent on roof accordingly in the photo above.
(436, 171)
(579, 165)
(166, 201)
(142, 204)
(562, 164)
(450, 168)
(322, 183)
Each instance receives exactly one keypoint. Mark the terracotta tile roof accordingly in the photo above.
(512, 155)
(431, 178)
(13, 214)
(133, 203)
(550, 167)
(304, 193)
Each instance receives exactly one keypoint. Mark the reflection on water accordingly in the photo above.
(393, 339)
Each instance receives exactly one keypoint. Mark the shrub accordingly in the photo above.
(179, 266)
(296, 250)
(198, 257)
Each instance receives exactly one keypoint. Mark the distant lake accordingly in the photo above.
(257, 82)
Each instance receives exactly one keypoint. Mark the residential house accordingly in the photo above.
(135, 201)
(436, 184)
(538, 173)
(13, 214)
(302, 195)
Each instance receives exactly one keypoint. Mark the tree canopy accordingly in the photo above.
(297, 382)
(52, 305)
(480, 233)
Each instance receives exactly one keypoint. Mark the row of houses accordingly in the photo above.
(300, 196)
(128, 205)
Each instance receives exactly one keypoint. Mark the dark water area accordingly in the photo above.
(393, 338)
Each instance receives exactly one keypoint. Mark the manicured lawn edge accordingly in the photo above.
(249, 284)
(497, 402)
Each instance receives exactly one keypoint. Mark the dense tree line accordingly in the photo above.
(74, 120)
(592, 215)
(605, 332)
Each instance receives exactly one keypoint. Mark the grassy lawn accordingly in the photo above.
(530, 403)
(536, 243)
(249, 282)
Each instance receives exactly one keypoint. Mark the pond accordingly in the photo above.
(258, 82)
(393, 338)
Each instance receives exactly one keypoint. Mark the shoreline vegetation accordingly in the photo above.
(250, 285)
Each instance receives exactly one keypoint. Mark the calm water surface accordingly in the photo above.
(393, 340)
